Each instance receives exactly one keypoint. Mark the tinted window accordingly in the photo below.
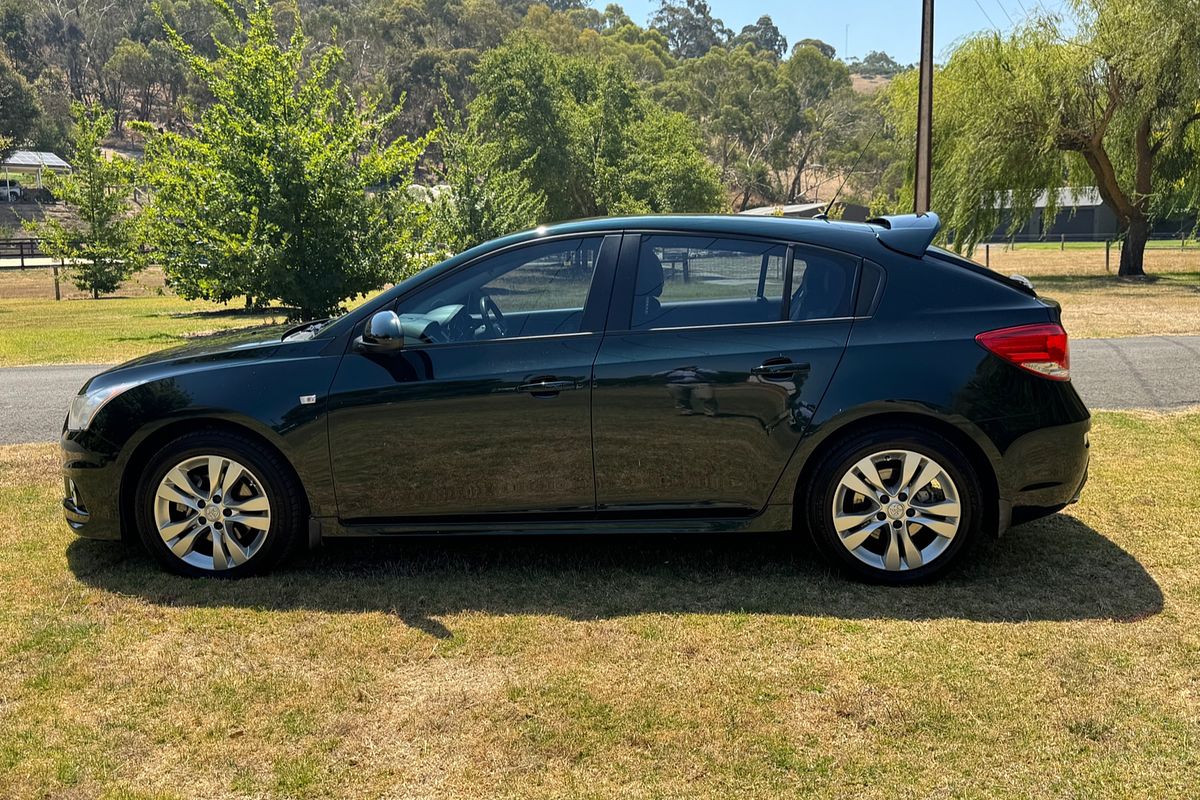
(531, 291)
(698, 280)
(822, 284)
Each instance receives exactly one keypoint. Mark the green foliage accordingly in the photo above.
(876, 64)
(690, 27)
(288, 190)
(105, 250)
(579, 131)
(764, 35)
(482, 198)
(18, 106)
(1106, 99)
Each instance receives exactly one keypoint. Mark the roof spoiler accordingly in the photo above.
(910, 234)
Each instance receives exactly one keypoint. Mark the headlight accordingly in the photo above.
(84, 406)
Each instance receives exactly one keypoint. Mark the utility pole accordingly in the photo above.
(925, 111)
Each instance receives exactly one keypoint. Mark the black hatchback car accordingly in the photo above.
(841, 380)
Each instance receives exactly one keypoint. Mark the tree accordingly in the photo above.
(18, 107)
(877, 64)
(105, 250)
(289, 190)
(578, 131)
(482, 198)
(1108, 98)
(690, 27)
(749, 110)
(764, 35)
(823, 48)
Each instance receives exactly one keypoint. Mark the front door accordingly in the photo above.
(718, 352)
(487, 408)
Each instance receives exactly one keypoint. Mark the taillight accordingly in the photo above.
(1040, 348)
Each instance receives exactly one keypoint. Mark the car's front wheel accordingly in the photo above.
(219, 504)
(894, 506)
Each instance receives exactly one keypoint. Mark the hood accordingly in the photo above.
(218, 348)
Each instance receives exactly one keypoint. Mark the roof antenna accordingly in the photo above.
(825, 214)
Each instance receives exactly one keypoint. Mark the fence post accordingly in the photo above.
(57, 294)
(21, 250)
(987, 254)
(1062, 245)
(1107, 248)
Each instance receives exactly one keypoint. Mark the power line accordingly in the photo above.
(986, 16)
(1005, 10)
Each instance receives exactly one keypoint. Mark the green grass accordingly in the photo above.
(1060, 662)
(43, 331)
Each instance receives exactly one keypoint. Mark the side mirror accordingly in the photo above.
(382, 334)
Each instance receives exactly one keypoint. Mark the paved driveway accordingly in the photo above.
(1153, 372)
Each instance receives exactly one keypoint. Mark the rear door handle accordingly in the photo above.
(547, 388)
(775, 369)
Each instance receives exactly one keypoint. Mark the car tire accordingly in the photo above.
(248, 530)
(906, 533)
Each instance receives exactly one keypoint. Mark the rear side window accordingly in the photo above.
(822, 284)
(685, 281)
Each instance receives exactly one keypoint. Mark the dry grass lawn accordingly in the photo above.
(1062, 662)
(1096, 304)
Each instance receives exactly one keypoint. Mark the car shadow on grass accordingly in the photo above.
(1056, 569)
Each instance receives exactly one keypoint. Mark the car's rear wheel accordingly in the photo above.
(219, 504)
(895, 506)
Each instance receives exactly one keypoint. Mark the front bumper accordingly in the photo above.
(91, 486)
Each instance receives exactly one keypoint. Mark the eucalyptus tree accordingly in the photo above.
(1106, 97)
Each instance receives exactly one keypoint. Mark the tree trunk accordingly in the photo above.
(745, 198)
(1133, 249)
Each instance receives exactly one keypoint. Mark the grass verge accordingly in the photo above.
(1061, 662)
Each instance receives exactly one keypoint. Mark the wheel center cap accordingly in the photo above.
(895, 510)
(212, 513)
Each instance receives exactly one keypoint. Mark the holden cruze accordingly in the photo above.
(845, 382)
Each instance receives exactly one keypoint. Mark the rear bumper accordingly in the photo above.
(91, 486)
(1045, 470)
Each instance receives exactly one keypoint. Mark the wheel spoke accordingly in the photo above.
(233, 474)
(237, 554)
(846, 522)
(891, 557)
(171, 530)
(220, 558)
(854, 540)
(867, 468)
(908, 467)
(943, 508)
(939, 526)
(214, 474)
(261, 523)
(259, 503)
(927, 474)
(912, 556)
(184, 544)
(175, 494)
(856, 484)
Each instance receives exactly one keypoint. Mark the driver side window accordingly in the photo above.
(531, 291)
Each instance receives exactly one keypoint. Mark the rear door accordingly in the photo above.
(717, 352)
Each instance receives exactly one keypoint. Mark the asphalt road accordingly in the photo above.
(1152, 372)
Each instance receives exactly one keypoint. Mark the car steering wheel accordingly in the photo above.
(493, 319)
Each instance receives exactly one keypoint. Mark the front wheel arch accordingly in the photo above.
(978, 459)
(146, 449)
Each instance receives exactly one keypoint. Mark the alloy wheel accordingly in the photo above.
(212, 512)
(896, 510)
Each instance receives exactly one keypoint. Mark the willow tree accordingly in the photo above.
(1106, 96)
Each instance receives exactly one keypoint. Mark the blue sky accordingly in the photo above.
(893, 26)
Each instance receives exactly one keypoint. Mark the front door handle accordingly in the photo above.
(547, 388)
(776, 369)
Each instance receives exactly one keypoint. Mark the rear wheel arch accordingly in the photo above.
(146, 449)
(979, 460)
